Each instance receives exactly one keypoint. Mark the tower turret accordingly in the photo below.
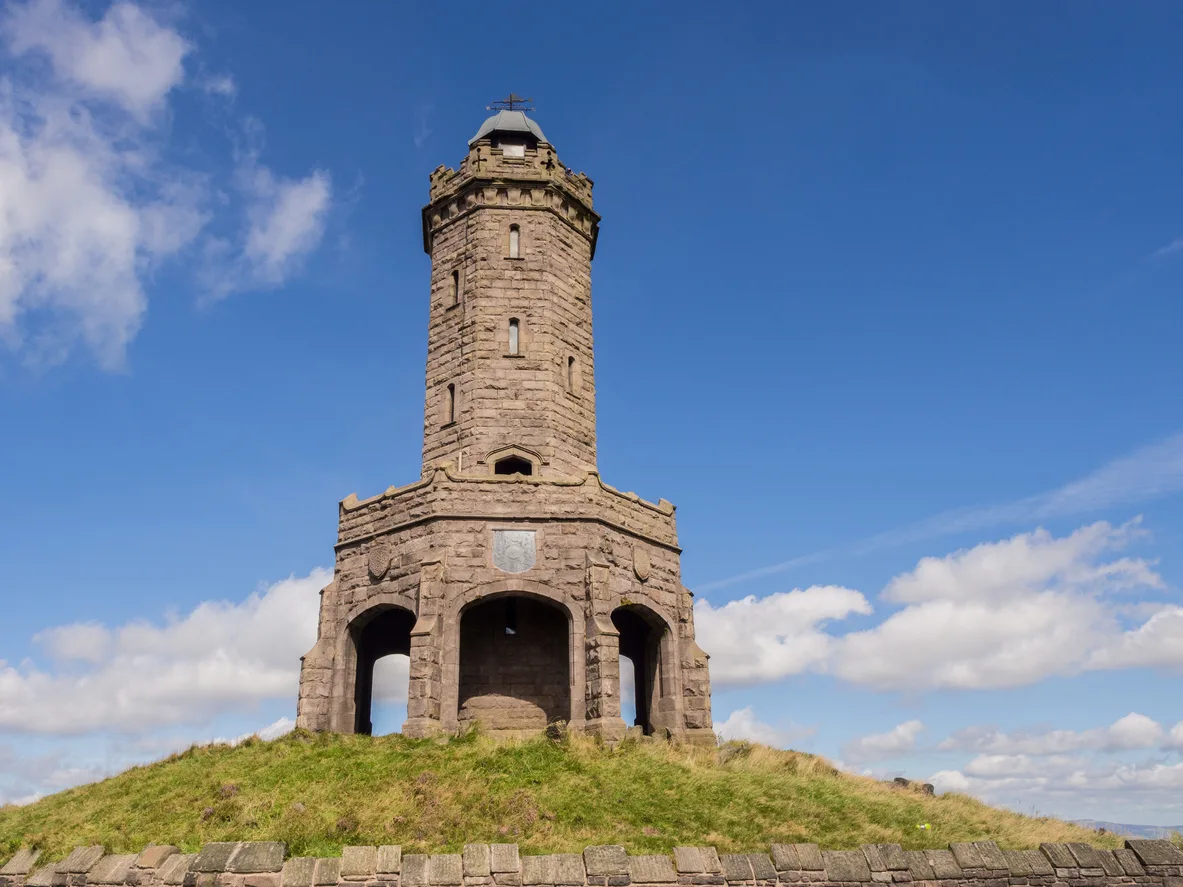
(510, 369)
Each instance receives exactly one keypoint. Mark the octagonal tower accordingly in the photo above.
(512, 576)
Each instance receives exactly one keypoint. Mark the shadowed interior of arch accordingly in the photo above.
(640, 643)
(514, 664)
(382, 632)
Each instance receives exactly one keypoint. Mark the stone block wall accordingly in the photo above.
(265, 864)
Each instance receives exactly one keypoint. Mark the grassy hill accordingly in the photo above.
(319, 792)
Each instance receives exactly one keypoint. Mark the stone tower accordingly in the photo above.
(512, 576)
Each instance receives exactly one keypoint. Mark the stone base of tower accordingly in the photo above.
(516, 599)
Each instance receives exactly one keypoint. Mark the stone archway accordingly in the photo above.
(572, 707)
(379, 631)
(647, 642)
(515, 658)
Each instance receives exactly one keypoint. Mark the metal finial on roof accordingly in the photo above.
(514, 103)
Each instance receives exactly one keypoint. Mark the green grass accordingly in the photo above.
(319, 792)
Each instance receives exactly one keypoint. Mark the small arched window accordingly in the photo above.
(455, 290)
(515, 242)
(450, 405)
(513, 335)
(570, 375)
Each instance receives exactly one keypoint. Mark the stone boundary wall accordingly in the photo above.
(264, 864)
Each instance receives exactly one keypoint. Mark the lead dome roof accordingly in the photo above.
(508, 121)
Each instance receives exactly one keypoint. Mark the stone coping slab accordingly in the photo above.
(1141, 863)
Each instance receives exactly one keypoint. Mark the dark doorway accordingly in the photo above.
(383, 631)
(640, 642)
(514, 664)
(514, 465)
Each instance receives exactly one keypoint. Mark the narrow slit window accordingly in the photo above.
(450, 406)
(455, 288)
(515, 242)
(571, 375)
(513, 335)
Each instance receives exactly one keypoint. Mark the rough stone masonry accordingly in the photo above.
(264, 864)
(510, 574)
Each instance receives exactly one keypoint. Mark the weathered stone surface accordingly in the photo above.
(80, 860)
(504, 858)
(214, 857)
(1018, 863)
(991, 855)
(42, 877)
(414, 873)
(328, 872)
(359, 861)
(262, 879)
(111, 869)
(1156, 852)
(846, 865)
(1109, 863)
(390, 859)
(697, 860)
(476, 861)
(22, 863)
(651, 870)
(568, 869)
(253, 857)
(153, 856)
(944, 864)
(967, 855)
(299, 871)
(172, 872)
(810, 856)
(784, 858)
(536, 870)
(606, 859)
(1059, 855)
(1129, 862)
(919, 866)
(874, 859)
(445, 869)
(892, 856)
(736, 868)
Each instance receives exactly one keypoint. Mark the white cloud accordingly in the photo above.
(1001, 614)
(91, 205)
(392, 675)
(218, 657)
(743, 724)
(126, 57)
(900, 740)
(1134, 731)
(85, 642)
(1175, 246)
(765, 639)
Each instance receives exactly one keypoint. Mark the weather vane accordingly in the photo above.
(514, 103)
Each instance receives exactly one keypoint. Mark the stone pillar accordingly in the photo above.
(602, 643)
(425, 689)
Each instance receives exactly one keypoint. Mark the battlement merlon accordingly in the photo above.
(489, 178)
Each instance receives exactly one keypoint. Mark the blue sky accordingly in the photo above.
(886, 301)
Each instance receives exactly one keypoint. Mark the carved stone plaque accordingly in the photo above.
(513, 550)
(378, 560)
(641, 564)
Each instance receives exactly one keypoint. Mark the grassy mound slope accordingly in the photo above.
(319, 792)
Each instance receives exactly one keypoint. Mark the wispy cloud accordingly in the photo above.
(1175, 246)
(1149, 472)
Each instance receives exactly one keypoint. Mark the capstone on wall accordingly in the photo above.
(265, 864)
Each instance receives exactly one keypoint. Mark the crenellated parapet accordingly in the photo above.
(444, 494)
(266, 864)
(487, 178)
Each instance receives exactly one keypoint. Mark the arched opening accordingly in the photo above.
(450, 405)
(570, 375)
(513, 465)
(455, 288)
(513, 335)
(515, 242)
(641, 635)
(515, 659)
(382, 639)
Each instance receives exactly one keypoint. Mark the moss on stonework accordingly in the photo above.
(320, 792)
